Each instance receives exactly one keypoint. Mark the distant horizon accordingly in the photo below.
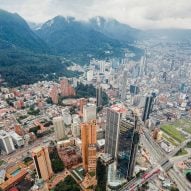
(86, 20)
(144, 14)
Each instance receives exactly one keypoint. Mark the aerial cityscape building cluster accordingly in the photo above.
(119, 124)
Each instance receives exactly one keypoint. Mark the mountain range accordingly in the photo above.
(31, 52)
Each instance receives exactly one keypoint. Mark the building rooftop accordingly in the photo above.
(3, 134)
(15, 135)
(37, 149)
(118, 108)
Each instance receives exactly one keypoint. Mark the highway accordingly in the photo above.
(162, 160)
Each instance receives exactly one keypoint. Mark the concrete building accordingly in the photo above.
(75, 127)
(66, 88)
(2, 176)
(42, 163)
(88, 137)
(69, 156)
(122, 140)
(59, 127)
(99, 96)
(127, 146)
(54, 94)
(102, 66)
(17, 139)
(114, 114)
(67, 118)
(89, 112)
(90, 74)
(124, 86)
(148, 107)
(82, 102)
(6, 142)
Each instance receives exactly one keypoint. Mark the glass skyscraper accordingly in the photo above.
(128, 139)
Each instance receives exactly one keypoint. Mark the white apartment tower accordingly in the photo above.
(59, 127)
(6, 142)
(89, 112)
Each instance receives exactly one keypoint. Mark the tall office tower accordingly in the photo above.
(42, 162)
(99, 96)
(89, 112)
(128, 140)
(149, 102)
(59, 127)
(88, 137)
(6, 142)
(124, 86)
(54, 94)
(114, 114)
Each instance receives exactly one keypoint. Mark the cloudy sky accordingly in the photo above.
(137, 13)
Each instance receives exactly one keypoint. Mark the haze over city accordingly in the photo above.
(142, 14)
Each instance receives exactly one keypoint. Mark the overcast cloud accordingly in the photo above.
(137, 13)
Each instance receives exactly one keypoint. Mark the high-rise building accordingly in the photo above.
(134, 90)
(114, 114)
(99, 96)
(75, 127)
(6, 142)
(54, 94)
(66, 88)
(102, 66)
(89, 112)
(124, 86)
(122, 137)
(148, 107)
(88, 137)
(90, 74)
(59, 127)
(17, 139)
(67, 117)
(42, 163)
(128, 139)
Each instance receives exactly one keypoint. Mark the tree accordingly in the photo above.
(174, 189)
(101, 173)
(34, 129)
(68, 184)
(188, 176)
(57, 163)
